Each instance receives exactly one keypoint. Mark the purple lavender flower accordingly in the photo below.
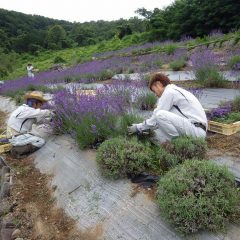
(220, 112)
(203, 58)
(93, 129)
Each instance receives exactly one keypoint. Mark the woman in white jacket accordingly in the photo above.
(20, 124)
(178, 112)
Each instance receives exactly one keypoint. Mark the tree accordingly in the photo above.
(56, 35)
(124, 30)
(144, 13)
(4, 41)
(82, 35)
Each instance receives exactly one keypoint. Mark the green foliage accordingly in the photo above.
(119, 156)
(27, 33)
(180, 18)
(210, 77)
(234, 61)
(178, 64)
(170, 48)
(3, 71)
(147, 101)
(58, 59)
(158, 158)
(187, 147)
(198, 195)
(179, 150)
(165, 159)
(230, 118)
(126, 120)
(236, 40)
(105, 75)
(124, 30)
(8, 61)
(92, 132)
(56, 35)
(236, 104)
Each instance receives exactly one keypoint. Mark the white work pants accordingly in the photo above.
(24, 139)
(171, 125)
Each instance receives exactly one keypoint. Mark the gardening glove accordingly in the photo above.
(132, 129)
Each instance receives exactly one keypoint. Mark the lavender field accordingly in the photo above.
(202, 61)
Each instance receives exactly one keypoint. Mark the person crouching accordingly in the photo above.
(178, 112)
(20, 124)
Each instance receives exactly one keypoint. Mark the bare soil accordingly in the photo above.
(2, 121)
(229, 145)
(36, 214)
(195, 84)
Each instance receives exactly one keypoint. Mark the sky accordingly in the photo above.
(83, 10)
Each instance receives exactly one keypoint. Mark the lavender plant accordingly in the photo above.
(234, 62)
(205, 64)
(220, 112)
(227, 112)
(198, 195)
(91, 119)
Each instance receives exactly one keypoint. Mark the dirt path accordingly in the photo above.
(31, 207)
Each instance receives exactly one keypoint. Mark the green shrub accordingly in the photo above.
(3, 72)
(187, 147)
(118, 157)
(198, 195)
(165, 159)
(236, 40)
(105, 75)
(178, 64)
(210, 77)
(234, 61)
(59, 59)
(170, 49)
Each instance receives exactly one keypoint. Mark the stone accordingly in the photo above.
(5, 170)
(5, 190)
(16, 233)
(2, 163)
(6, 230)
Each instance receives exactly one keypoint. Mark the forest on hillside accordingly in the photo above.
(30, 33)
(194, 18)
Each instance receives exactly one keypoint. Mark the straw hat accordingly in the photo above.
(35, 95)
